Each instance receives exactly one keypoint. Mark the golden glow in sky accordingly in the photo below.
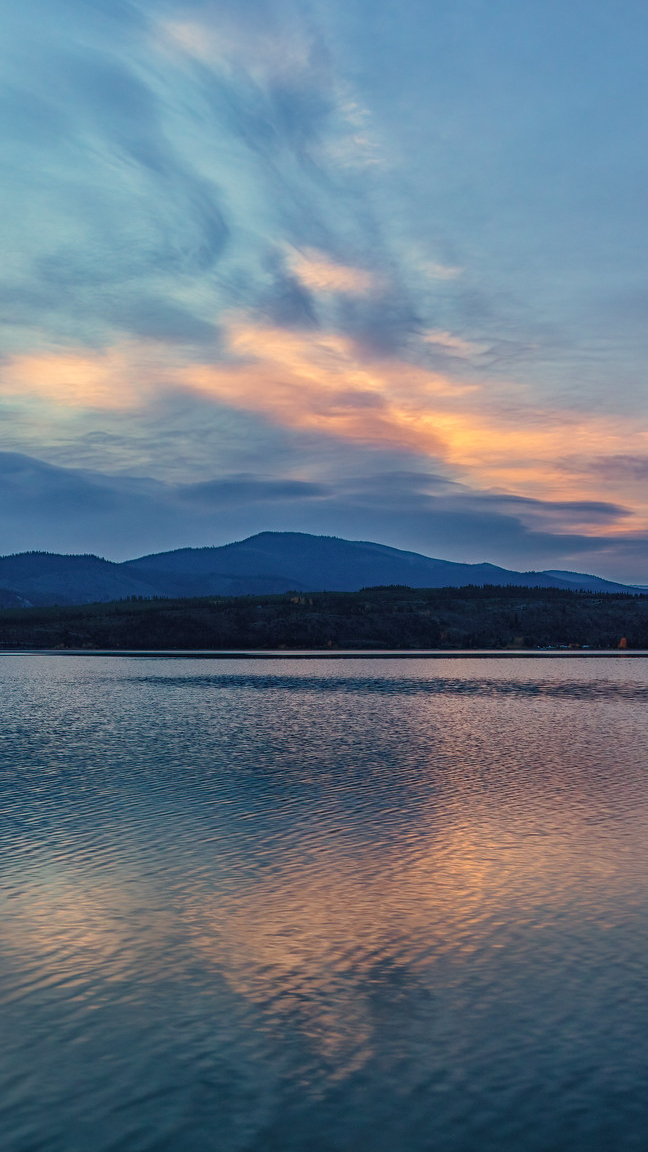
(399, 268)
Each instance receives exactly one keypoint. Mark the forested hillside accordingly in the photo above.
(374, 618)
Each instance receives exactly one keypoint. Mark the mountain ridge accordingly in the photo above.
(265, 563)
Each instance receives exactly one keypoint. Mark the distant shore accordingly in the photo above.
(335, 654)
(382, 621)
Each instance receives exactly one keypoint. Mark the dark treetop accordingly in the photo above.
(373, 618)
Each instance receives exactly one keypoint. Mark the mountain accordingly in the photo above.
(270, 562)
(39, 578)
(281, 561)
(593, 583)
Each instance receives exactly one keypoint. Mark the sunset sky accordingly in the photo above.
(366, 269)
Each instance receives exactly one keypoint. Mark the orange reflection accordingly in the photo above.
(306, 940)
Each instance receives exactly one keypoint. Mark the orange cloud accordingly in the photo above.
(101, 379)
(318, 382)
(317, 272)
(307, 380)
(117, 378)
(492, 437)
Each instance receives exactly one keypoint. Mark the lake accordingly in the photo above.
(326, 905)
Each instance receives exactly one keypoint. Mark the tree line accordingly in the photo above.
(373, 618)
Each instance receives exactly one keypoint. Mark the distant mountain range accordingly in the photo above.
(266, 563)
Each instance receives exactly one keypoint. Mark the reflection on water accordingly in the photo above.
(331, 906)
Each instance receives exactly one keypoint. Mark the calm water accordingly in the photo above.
(323, 906)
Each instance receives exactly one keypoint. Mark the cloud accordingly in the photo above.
(621, 467)
(254, 232)
(249, 488)
(561, 515)
(81, 379)
(308, 379)
(285, 302)
(156, 318)
(454, 345)
(64, 509)
(159, 178)
(319, 273)
(317, 380)
(442, 271)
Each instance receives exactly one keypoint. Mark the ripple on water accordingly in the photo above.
(272, 909)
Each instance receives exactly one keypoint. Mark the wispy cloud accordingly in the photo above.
(455, 345)
(319, 273)
(317, 381)
(440, 271)
(260, 230)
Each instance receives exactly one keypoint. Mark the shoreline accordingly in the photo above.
(338, 654)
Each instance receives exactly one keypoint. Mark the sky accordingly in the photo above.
(355, 268)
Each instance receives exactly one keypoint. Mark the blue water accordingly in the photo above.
(323, 906)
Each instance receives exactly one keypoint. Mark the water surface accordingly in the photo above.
(323, 906)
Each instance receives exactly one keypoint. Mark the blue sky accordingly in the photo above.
(363, 269)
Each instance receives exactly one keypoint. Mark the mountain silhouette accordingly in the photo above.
(269, 562)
